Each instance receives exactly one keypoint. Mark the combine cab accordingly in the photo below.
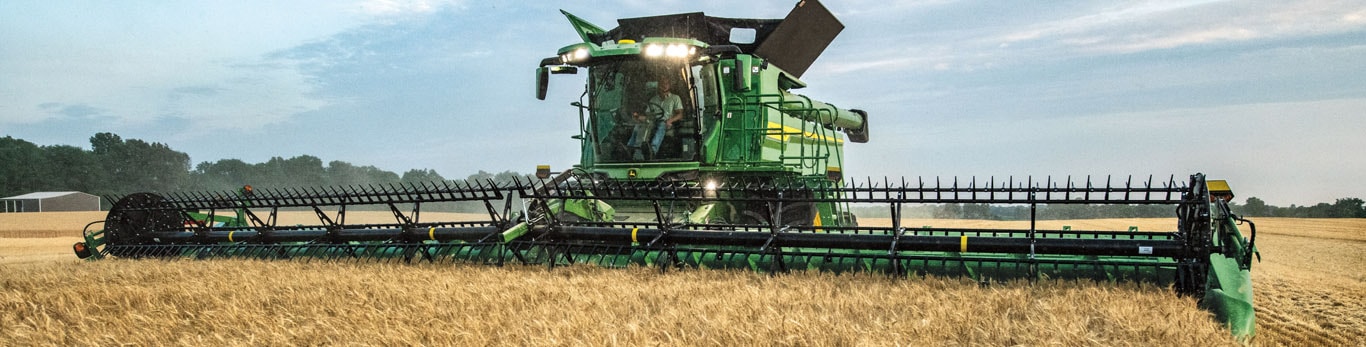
(697, 153)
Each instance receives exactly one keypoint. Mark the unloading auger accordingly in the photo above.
(696, 153)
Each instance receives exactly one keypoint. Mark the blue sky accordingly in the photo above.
(1270, 95)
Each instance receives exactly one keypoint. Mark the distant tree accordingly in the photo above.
(135, 165)
(304, 170)
(421, 176)
(1348, 208)
(1067, 211)
(160, 167)
(501, 177)
(1010, 212)
(68, 168)
(508, 176)
(977, 211)
(1255, 207)
(479, 176)
(1285, 211)
(1321, 210)
(19, 166)
(225, 174)
(104, 143)
(949, 211)
(345, 174)
(299, 171)
(115, 165)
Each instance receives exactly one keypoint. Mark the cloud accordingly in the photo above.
(1275, 150)
(204, 91)
(395, 92)
(1144, 26)
(129, 67)
(968, 36)
(955, 86)
(1355, 17)
(216, 96)
(405, 7)
(71, 110)
(244, 96)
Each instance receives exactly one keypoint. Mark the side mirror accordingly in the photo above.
(543, 77)
(542, 82)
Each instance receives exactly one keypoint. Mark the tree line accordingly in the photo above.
(1018, 212)
(116, 166)
(1342, 208)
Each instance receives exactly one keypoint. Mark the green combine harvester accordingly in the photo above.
(697, 153)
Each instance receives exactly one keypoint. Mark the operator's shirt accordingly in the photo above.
(670, 103)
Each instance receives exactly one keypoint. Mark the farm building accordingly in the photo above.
(51, 201)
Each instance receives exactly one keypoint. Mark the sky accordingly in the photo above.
(1270, 95)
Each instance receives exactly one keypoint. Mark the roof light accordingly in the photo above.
(676, 51)
(654, 50)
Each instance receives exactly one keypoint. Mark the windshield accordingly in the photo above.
(642, 110)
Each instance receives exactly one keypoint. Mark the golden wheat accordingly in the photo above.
(240, 302)
(1308, 287)
(47, 224)
(59, 224)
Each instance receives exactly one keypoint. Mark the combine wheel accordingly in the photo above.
(799, 213)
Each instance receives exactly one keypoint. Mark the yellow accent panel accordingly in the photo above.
(807, 135)
(431, 233)
(230, 235)
(1218, 186)
(963, 244)
(633, 235)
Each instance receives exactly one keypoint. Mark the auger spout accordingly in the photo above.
(853, 122)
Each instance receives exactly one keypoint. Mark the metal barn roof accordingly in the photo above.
(39, 195)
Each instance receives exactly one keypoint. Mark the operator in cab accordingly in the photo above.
(661, 112)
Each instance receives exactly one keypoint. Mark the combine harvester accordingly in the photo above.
(695, 153)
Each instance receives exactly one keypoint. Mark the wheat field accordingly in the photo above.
(1309, 291)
